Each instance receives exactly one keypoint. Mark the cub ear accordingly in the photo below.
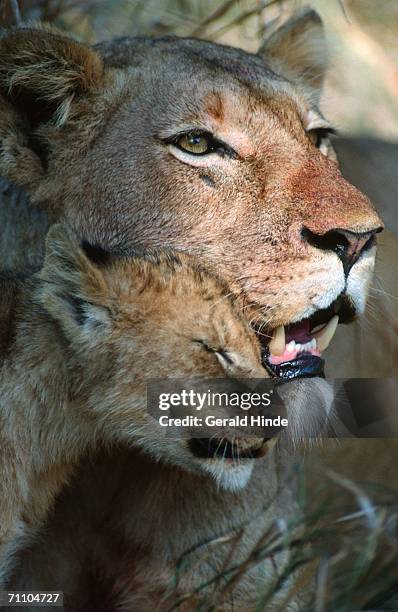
(42, 75)
(74, 290)
(298, 50)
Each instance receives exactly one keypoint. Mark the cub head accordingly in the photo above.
(205, 149)
(123, 321)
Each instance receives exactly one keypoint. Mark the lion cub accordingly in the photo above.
(84, 337)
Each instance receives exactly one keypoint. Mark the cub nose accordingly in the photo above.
(347, 245)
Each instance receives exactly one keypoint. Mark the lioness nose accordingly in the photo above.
(347, 245)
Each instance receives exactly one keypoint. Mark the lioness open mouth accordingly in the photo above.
(295, 350)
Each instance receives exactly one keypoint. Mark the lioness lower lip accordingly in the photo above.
(325, 335)
(278, 341)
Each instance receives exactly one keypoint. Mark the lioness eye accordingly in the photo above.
(200, 143)
(194, 143)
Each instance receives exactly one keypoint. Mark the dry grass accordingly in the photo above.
(341, 546)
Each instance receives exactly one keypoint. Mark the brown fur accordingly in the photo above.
(85, 339)
(130, 533)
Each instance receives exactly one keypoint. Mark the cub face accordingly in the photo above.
(128, 320)
(206, 149)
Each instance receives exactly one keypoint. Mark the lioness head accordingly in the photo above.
(190, 145)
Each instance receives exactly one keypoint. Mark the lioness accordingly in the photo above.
(232, 148)
(72, 374)
(208, 149)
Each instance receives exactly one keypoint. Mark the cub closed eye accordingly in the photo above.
(200, 143)
(220, 353)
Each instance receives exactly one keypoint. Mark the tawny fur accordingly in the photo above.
(72, 370)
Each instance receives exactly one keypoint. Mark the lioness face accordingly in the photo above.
(224, 155)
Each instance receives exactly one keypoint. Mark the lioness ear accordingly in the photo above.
(42, 75)
(298, 50)
(74, 290)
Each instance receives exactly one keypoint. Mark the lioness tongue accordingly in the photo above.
(296, 338)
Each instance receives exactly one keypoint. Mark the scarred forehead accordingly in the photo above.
(199, 84)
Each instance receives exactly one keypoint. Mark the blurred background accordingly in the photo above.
(361, 93)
